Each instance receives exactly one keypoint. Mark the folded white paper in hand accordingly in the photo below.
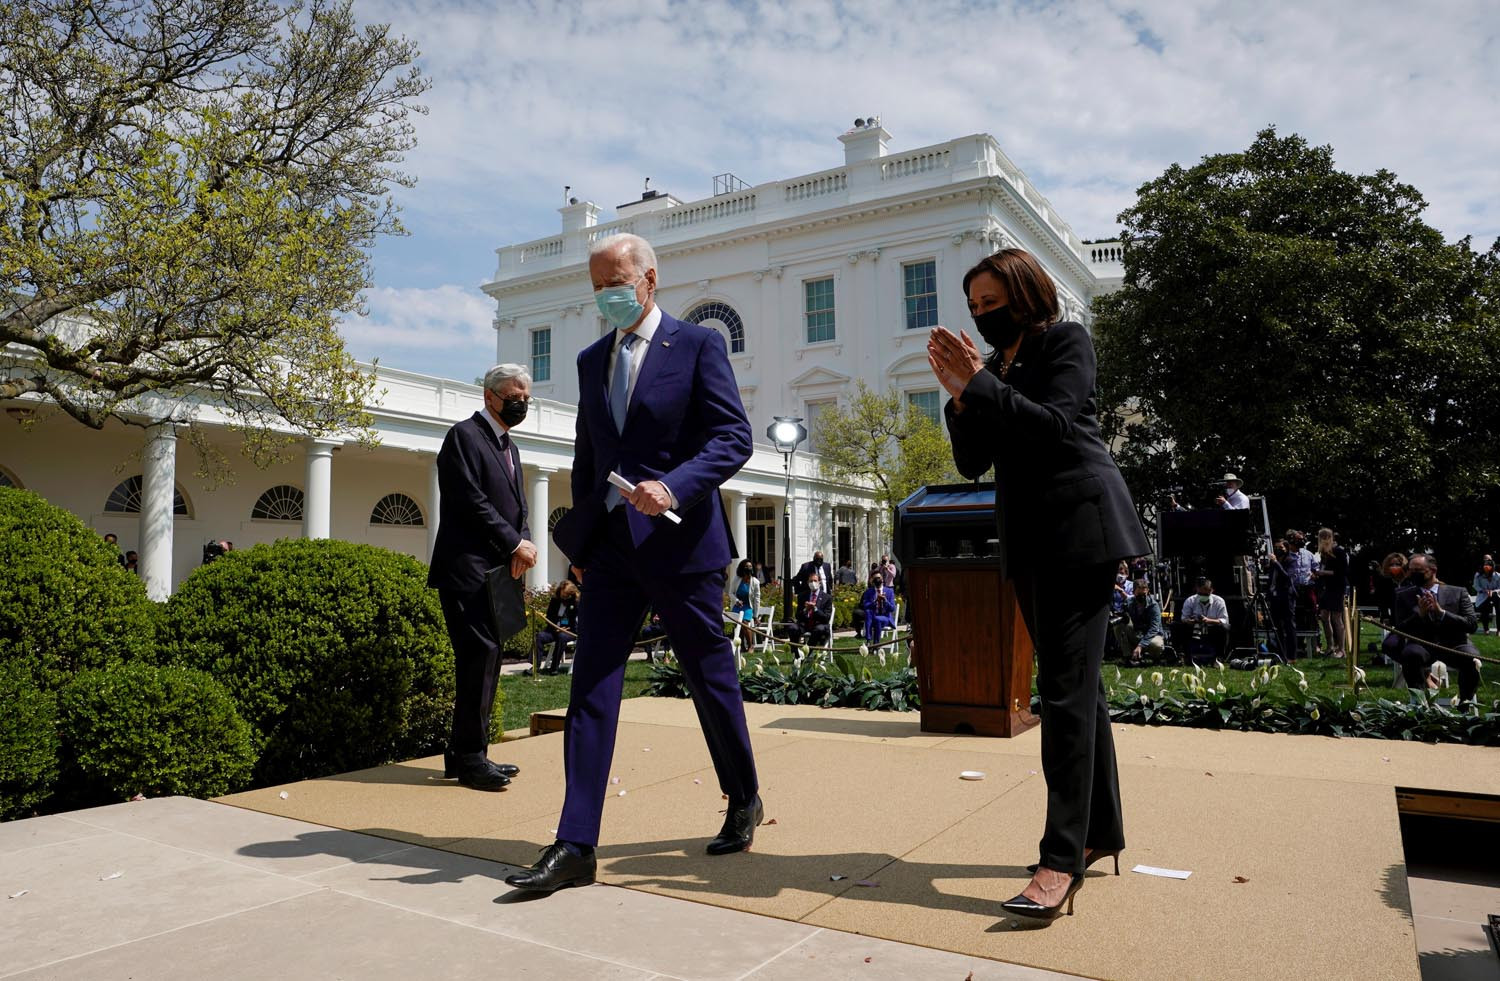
(626, 487)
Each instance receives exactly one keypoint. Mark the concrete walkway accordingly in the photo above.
(183, 888)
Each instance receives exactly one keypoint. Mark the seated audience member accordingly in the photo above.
(1205, 623)
(814, 566)
(562, 610)
(846, 576)
(1440, 616)
(878, 605)
(1487, 594)
(1139, 629)
(746, 602)
(814, 615)
(653, 636)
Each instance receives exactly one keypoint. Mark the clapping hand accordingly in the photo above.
(954, 360)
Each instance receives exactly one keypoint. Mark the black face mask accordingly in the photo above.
(513, 411)
(998, 328)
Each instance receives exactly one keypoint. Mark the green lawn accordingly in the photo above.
(525, 695)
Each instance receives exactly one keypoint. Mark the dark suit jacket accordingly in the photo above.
(685, 426)
(811, 614)
(799, 581)
(482, 514)
(1451, 628)
(1060, 501)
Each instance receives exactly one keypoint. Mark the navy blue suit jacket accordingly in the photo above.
(685, 426)
(482, 514)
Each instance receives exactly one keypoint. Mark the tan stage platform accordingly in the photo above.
(1293, 842)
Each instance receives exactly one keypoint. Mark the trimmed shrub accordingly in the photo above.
(141, 729)
(28, 741)
(845, 600)
(335, 653)
(66, 603)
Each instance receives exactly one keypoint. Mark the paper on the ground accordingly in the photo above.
(1164, 873)
(627, 487)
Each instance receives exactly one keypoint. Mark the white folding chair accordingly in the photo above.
(763, 618)
(896, 629)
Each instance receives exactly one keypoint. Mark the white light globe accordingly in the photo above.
(786, 433)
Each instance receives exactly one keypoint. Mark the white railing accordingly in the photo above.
(815, 187)
(1102, 252)
(915, 163)
(545, 249)
(711, 210)
(625, 226)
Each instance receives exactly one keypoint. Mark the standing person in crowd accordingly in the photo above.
(562, 610)
(745, 602)
(815, 565)
(878, 607)
(1233, 499)
(659, 406)
(1333, 586)
(1124, 585)
(482, 525)
(113, 541)
(888, 571)
(814, 615)
(1304, 565)
(846, 576)
(1139, 630)
(1439, 616)
(1487, 593)
(132, 562)
(1064, 520)
(1281, 597)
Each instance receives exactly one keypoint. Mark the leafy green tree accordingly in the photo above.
(1304, 327)
(883, 439)
(188, 191)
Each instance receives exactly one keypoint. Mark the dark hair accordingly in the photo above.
(1030, 292)
(745, 568)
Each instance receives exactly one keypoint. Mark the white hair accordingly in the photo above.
(496, 377)
(642, 255)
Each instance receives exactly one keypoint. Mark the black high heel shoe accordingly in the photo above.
(1115, 854)
(1032, 910)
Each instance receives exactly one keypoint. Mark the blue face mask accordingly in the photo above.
(619, 305)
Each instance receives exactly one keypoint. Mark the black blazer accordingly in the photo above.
(1451, 628)
(799, 581)
(1060, 502)
(482, 515)
(816, 614)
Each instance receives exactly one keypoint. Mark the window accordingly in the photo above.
(553, 518)
(928, 403)
(281, 503)
(397, 509)
(919, 286)
(541, 354)
(760, 512)
(126, 499)
(727, 321)
(8, 479)
(815, 412)
(818, 295)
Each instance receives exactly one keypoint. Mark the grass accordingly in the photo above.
(525, 695)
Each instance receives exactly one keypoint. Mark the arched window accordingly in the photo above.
(397, 509)
(281, 503)
(554, 518)
(728, 322)
(126, 499)
(8, 479)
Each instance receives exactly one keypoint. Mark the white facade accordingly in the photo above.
(882, 241)
(855, 229)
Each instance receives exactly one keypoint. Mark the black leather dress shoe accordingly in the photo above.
(558, 868)
(739, 828)
(487, 777)
(452, 768)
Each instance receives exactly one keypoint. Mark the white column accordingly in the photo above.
(158, 487)
(739, 524)
(539, 502)
(317, 501)
(862, 565)
(826, 533)
(434, 502)
(872, 534)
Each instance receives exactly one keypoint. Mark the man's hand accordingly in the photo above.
(523, 558)
(1135, 655)
(650, 497)
(1220, 500)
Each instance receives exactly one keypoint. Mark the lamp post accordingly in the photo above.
(786, 433)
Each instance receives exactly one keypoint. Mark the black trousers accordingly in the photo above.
(557, 642)
(1283, 622)
(1414, 657)
(1067, 614)
(476, 669)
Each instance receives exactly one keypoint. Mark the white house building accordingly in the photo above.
(816, 281)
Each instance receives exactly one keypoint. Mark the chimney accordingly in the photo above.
(866, 141)
(578, 215)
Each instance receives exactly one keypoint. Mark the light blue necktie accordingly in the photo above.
(619, 401)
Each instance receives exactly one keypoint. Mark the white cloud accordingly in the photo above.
(445, 318)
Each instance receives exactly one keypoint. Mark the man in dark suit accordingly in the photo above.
(825, 575)
(658, 404)
(482, 526)
(814, 615)
(1441, 616)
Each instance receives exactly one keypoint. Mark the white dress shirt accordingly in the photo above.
(1236, 501)
(1210, 607)
(637, 355)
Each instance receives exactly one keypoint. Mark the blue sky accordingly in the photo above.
(1090, 99)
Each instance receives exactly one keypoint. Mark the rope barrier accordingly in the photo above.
(1427, 643)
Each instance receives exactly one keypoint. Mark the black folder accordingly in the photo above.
(507, 602)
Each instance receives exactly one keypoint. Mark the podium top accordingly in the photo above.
(950, 497)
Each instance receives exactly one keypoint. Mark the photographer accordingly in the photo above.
(1139, 630)
(1205, 623)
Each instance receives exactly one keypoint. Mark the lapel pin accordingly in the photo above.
(666, 343)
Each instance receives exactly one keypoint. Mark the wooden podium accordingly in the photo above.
(969, 645)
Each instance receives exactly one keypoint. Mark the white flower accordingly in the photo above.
(1302, 686)
(882, 657)
(1275, 670)
(1267, 713)
(1220, 688)
(1145, 699)
(1265, 677)
(1359, 674)
(1156, 678)
(1200, 691)
(864, 650)
(1356, 717)
(1255, 702)
(1138, 679)
(1220, 665)
(1315, 714)
(1254, 682)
